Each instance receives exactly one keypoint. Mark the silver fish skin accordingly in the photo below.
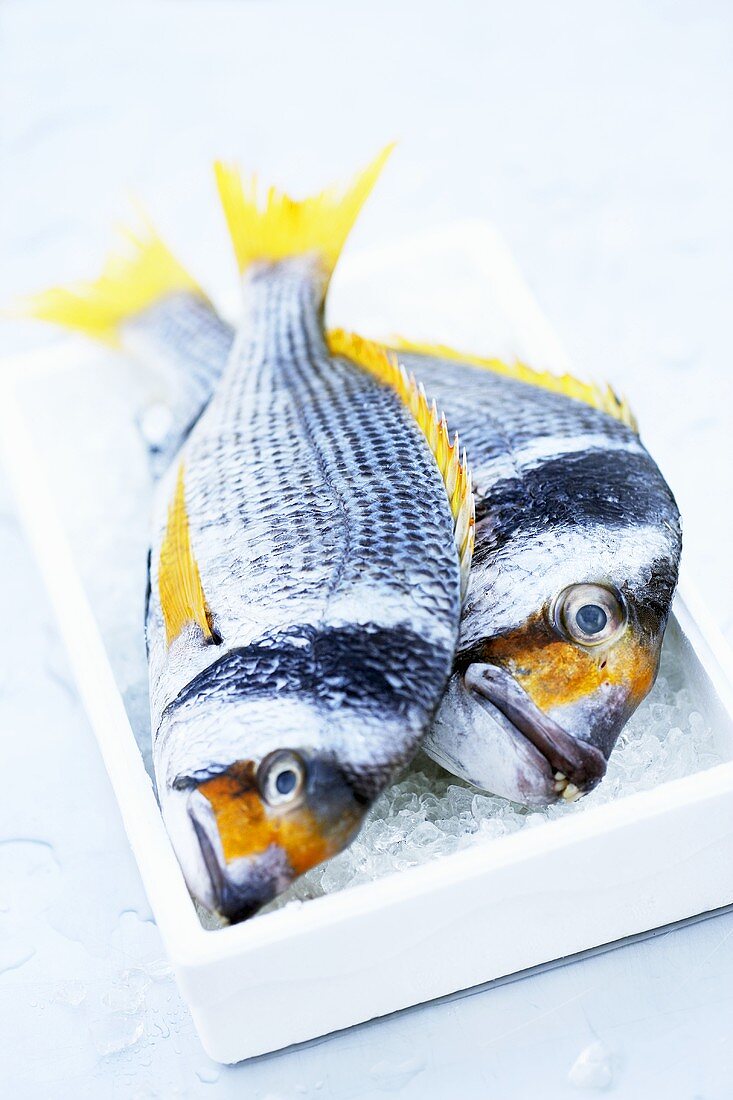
(183, 340)
(324, 542)
(566, 496)
(578, 542)
(311, 543)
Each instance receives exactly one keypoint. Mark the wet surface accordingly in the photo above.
(598, 140)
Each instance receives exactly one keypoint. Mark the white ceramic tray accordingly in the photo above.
(491, 910)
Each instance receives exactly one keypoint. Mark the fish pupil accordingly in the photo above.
(285, 781)
(591, 618)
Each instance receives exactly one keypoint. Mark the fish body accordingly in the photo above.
(575, 524)
(568, 501)
(312, 532)
(304, 599)
(299, 496)
(180, 337)
(578, 542)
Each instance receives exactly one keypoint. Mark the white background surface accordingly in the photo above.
(599, 142)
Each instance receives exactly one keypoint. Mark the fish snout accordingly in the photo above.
(237, 887)
(576, 765)
(259, 828)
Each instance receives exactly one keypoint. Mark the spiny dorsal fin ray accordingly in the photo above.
(138, 273)
(454, 469)
(182, 598)
(273, 227)
(599, 396)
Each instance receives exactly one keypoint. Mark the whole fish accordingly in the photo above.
(305, 570)
(570, 508)
(578, 543)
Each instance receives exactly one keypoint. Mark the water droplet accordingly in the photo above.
(592, 1069)
(70, 992)
(14, 954)
(208, 1075)
(155, 423)
(115, 1032)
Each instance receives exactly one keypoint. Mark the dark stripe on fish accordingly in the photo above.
(653, 597)
(337, 667)
(611, 488)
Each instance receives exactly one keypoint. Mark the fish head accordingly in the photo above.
(246, 826)
(287, 778)
(561, 642)
(259, 826)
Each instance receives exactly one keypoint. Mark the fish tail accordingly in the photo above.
(453, 465)
(138, 273)
(273, 227)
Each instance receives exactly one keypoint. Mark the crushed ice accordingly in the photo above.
(429, 813)
(70, 992)
(426, 813)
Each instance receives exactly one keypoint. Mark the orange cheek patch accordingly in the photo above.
(248, 827)
(555, 672)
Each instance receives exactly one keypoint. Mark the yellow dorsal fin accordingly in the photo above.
(453, 467)
(139, 273)
(273, 227)
(182, 598)
(591, 393)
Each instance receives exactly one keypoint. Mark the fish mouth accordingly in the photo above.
(251, 848)
(241, 887)
(577, 767)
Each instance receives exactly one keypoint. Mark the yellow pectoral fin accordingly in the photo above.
(182, 598)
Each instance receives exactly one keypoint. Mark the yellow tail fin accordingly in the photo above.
(274, 227)
(135, 276)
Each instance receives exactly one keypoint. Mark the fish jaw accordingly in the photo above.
(577, 761)
(238, 851)
(490, 733)
(479, 745)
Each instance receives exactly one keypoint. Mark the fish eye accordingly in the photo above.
(591, 618)
(281, 778)
(590, 614)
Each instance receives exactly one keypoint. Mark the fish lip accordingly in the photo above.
(234, 902)
(199, 812)
(580, 763)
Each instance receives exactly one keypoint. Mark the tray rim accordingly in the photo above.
(189, 944)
